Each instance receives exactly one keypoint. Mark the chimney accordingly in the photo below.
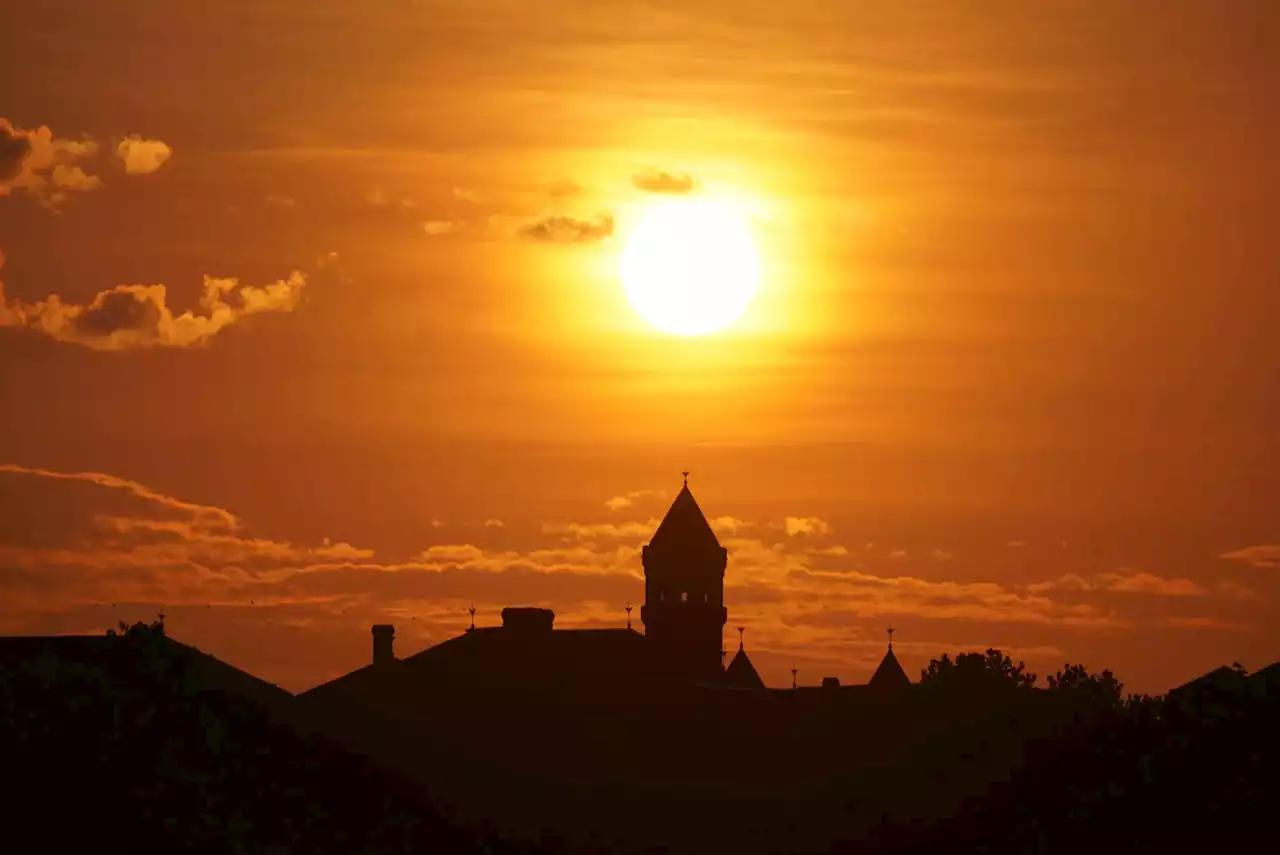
(523, 619)
(383, 636)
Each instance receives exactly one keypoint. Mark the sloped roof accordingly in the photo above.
(498, 657)
(1219, 679)
(742, 673)
(1267, 679)
(208, 672)
(890, 672)
(684, 528)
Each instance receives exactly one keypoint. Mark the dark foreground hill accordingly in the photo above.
(122, 748)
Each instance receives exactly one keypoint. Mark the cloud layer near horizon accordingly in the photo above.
(73, 542)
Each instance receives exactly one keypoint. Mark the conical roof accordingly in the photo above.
(890, 673)
(742, 673)
(684, 528)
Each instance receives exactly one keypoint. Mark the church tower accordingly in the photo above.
(683, 612)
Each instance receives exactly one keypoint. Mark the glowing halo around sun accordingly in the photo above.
(690, 267)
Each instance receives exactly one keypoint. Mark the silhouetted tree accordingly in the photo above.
(1100, 691)
(978, 670)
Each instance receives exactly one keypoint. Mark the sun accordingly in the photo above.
(690, 267)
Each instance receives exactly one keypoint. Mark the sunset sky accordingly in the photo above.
(311, 319)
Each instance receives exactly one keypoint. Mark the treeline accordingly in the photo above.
(1128, 773)
(121, 749)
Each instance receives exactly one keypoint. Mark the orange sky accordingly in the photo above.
(1008, 381)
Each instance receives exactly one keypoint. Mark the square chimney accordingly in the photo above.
(383, 638)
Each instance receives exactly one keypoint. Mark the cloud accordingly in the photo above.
(1266, 555)
(565, 189)
(728, 525)
(141, 156)
(378, 198)
(137, 316)
(805, 525)
(279, 200)
(205, 516)
(71, 542)
(494, 523)
(562, 229)
(658, 181)
(43, 166)
(14, 149)
(443, 227)
(592, 531)
(1196, 623)
(627, 500)
(1132, 583)
(50, 168)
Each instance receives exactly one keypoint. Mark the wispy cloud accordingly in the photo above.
(659, 181)
(1265, 555)
(1122, 583)
(805, 525)
(629, 499)
(564, 229)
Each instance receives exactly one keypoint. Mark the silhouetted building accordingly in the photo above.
(741, 673)
(889, 675)
(684, 612)
(683, 615)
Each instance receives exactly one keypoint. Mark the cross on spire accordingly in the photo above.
(891, 631)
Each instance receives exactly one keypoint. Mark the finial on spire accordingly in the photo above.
(472, 611)
(685, 473)
(891, 631)
(794, 672)
(629, 608)
(741, 630)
